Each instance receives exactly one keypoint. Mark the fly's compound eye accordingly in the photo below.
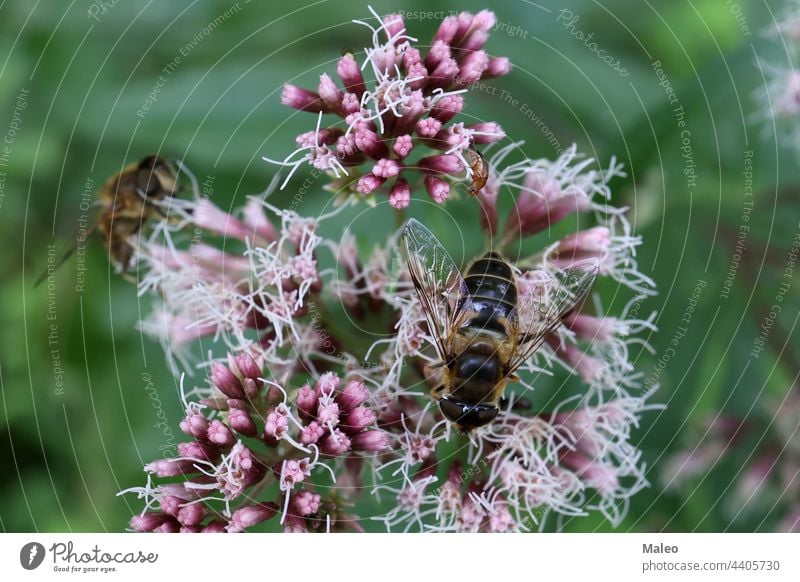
(452, 411)
(469, 417)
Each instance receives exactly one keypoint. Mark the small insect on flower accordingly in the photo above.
(479, 170)
(482, 333)
(128, 200)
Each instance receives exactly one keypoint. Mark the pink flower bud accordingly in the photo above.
(192, 514)
(394, 25)
(247, 366)
(335, 444)
(294, 524)
(149, 521)
(250, 515)
(327, 384)
(350, 103)
(350, 74)
(589, 327)
(447, 107)
(440, 51)
(330, 93)
(242, 422)
(386, 168)
(437, 188)
(355, 394)
(402, 145)
(497, 67)
(207, 216)
(593, 242)
(328, 412)
(170, 504)
(358, 419)
(293, 472)
(167, 527)
(472, 67)
(302, 99)
(447, 30)
(543, 204)
(400, 195)
(215, 526)
(226, 381)
(587, 366)
(599, 476)
(369, 182)
(444, 73)
(442, 164)
(428, 127)
(306, 503)
(306, 402)
(371, 440)
(275, 428)
(411, 56)
(170, 467)
(195, 424)
(370, 143)
(198, 450)
(221, 435)
(487, 132)
(311, 433)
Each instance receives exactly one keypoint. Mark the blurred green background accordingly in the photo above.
(84, 69)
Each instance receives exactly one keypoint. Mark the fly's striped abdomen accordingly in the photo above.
(491, 288)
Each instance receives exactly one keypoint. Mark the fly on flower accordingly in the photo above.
(128, 200)
(482, 330)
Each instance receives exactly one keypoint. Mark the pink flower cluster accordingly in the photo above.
(409, 107)
(267, 442)
(247, 434)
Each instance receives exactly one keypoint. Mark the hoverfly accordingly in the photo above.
(127, 201)
(481, 332)
(479, 168)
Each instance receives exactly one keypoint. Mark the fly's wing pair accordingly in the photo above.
(542, 309)
(440, 287)
(445, 301)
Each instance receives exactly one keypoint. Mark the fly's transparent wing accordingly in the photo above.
(545, 300)
(440, 287)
